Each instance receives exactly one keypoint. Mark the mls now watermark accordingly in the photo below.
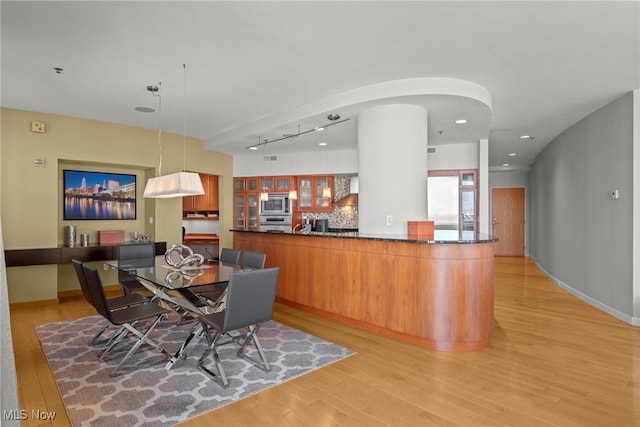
(35, 414)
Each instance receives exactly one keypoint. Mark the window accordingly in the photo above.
(452, 199)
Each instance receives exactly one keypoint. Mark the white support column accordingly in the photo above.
(483, 191)
(392, 168)
(636, 209)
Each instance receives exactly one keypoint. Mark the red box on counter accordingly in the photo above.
(420, 229)
(110, 237)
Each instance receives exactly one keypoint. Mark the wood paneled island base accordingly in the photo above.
(432, 293)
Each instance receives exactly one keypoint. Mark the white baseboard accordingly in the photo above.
(635, 321)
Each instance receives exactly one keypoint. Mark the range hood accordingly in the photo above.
(350, 199)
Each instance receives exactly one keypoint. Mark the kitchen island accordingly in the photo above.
(435, 292)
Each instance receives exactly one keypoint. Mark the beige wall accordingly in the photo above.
(30, 196)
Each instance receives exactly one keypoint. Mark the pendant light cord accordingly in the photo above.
(159, 128)
(184, 118)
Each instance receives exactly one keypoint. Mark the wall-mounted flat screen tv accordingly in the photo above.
(98, 195)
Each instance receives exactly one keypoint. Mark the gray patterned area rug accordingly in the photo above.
(144, 393)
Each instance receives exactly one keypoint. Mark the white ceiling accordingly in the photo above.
(265, 69)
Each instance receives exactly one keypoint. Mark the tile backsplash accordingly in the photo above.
(341, 216)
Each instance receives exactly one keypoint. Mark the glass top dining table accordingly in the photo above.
(158, 272)
(173, 285)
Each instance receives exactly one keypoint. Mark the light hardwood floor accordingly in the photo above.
(553, 361)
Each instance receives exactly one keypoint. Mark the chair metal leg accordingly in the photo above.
(252, 337)
(221, 377)
(143, 337)
(195, 333)
(112, 342)
(94, 339)
(213, 342)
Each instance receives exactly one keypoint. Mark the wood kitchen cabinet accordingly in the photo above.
(284, 183)
(270, 184)
(245, 210)
(207, 203)
(310, 197)
(246, 195)
(241, 184)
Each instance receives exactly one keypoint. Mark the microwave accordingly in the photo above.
(278, 204)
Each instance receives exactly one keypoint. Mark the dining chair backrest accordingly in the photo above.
(230, 256)
(250, 298)
(78, 266)
(136, 251)
(94, 284)
(255, 260)
(137, 255)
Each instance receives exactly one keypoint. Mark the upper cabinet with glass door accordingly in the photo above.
(277, 184)
(284, 183)
(311, 197)
(243, 185)
(305, 194)
(246, 191)
(324, 193)
(310, 189)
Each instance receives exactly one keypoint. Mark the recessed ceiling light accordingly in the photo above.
(526, 137)
(322, 143)
(505, 164)
(460, 121)
(512, 154)
(253, 148)
(145, 109)
(319, 128)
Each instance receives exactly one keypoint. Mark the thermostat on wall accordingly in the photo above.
(37, 127)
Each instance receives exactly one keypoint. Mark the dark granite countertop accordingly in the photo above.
(439, 236)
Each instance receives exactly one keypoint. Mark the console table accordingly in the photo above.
(64, 254)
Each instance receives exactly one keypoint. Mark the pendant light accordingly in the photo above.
(178, 184)
(264, 196)
(326, 190)
(293, 193)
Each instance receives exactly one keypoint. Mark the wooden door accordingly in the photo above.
(507, 209)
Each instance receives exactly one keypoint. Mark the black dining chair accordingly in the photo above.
(255, 260)
(134, 254)
(249, 303)
(230, 256)
(115, 303)
(127, 318)
(213, 292)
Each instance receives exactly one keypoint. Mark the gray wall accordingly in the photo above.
(581, 237)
